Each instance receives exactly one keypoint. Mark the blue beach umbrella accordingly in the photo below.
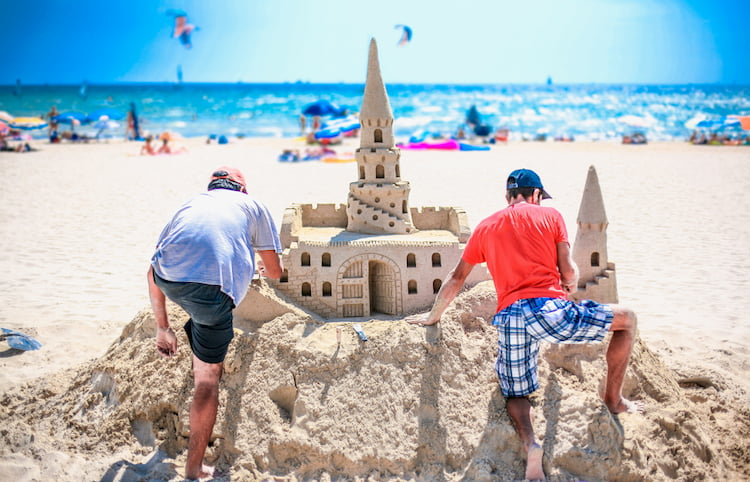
(110, 113)
(719, 123)
(322, 108)
(70, 117)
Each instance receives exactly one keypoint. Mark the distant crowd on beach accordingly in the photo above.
(321, 132)
(716, 139)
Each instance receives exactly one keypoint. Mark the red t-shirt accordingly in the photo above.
(519, 245)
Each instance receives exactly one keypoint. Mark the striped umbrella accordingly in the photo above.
(28, 123)
(5, 116)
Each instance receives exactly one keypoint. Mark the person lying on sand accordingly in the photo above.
(527, 252)
(147, 148)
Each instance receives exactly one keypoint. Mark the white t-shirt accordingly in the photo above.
(211, 240)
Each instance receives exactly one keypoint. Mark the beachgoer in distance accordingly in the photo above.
(147, 148)
(132, 132)
(527, 252)
(204, 261)
(53, 136)
(302, 124)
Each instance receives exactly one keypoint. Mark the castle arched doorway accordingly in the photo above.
(382, 288)
(369, 283)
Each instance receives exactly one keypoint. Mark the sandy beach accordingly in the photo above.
(79, 223)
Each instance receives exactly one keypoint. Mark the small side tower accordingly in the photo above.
(597, 275)
(378, 202)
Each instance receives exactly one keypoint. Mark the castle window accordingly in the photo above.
(306, 289)
(305, 261)
(436, 260)
(379, 171)
(284, 277)
(594, 259)
(378, 135)
(398, 171)
(326, 289)
(411, 260)
(361, 172)
(403, 206)
(436, 284)
(412, 287)
(325, 259)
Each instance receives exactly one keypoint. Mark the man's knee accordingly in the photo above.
(624, 319)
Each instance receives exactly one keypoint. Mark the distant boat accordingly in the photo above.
(82, 90)
(549, 80)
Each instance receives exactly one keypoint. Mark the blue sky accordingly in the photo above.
(455, 41)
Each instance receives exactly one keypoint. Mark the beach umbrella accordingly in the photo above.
(636, 121)
(108, 112)
(719, 123)
(4, 128)
(5, 116)
(28, 123)
(70, 117)
(322, 108)
(744, 121)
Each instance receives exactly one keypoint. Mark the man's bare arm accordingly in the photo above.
(271, 264)
(448, 291)
(567, 267)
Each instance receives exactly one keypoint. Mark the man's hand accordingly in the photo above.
(166, 342)
(569, 286)
(421, 319)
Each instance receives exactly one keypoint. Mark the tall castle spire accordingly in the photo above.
(596, 273)
(378, 202)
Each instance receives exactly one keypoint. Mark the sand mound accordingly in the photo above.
(410, 403)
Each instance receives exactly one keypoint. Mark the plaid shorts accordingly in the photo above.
(522, 325)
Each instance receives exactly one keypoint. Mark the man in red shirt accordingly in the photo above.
(527, 252)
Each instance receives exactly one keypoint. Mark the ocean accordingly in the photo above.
(584, 112)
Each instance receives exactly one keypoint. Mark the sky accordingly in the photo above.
(326, 41)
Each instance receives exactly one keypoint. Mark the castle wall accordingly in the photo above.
(451, 219)
(317, 279)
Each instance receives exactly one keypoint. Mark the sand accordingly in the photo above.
(79, 224)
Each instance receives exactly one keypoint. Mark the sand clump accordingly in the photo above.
(409, 404)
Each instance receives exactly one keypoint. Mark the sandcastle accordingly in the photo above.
(596, 273)
(376, 254)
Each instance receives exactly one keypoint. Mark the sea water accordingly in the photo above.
(585, 112)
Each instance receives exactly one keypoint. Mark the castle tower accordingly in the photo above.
(596, 274)
(378, 201)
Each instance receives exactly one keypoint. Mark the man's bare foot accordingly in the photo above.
(534, 469)
(625, 406)
(205, 471)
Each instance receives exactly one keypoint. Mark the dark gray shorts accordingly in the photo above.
(209, 329)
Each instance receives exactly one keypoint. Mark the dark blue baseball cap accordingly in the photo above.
(526, 178)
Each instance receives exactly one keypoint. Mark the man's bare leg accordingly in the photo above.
(202, 416)
(519, 410)
(618, 355)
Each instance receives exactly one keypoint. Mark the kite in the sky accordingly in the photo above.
(182, 29)
(405, 35)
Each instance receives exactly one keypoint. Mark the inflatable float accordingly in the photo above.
(449, 145)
